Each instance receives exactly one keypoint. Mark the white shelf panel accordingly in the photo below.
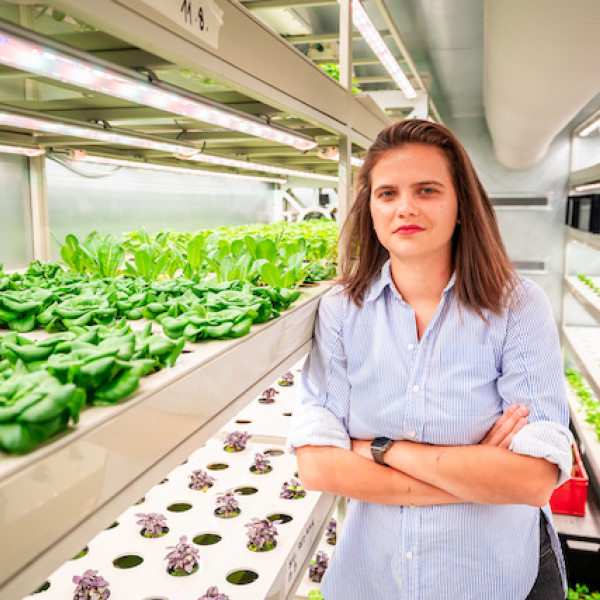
(58, 497)
(584, 345)
(269, 422)
(585, 296)
(150, 579)
(584, 237)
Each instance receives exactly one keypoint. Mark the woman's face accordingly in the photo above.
(413, 203)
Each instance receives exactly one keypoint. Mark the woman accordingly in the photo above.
(427, 359)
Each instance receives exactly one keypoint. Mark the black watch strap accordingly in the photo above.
(378, 447)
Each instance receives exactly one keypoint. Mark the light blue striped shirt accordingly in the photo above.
(368, 375)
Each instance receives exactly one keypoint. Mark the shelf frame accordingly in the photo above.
(58, 497)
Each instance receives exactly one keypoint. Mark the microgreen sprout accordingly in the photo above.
(286, 379)
(236, 441)
(183, 558)
(261, 464)
(331, 532)
(227, 505)
(318, 567)
(90, 586)
(268, 396)
(213, 594)
(261, 535)
(153, 524)
(201, 480)
(292, 490)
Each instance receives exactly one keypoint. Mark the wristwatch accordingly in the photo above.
(378, 447)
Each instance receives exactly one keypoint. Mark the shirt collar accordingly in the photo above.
(384, 279)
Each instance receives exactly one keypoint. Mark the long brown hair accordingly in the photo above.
(484, 273)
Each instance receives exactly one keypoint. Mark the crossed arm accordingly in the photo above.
(423, 475)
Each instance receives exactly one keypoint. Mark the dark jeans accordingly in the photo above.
(548, 585)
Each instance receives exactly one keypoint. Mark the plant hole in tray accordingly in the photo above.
(246, 490)
(242, 577)
(154, 537)
(287, 414)
(296, 474)
(128, 561)
(280, 517)
(217, 466)
(179, 507)
(179, 574)
(155, 598)
(243, 422)
(207, 539)
(254, 470)
(274, 452)
(42, 587)
(115, 524)
(140, 501)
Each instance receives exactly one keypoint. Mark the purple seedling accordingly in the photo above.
(201, 480)
(292, 490)
(183, 559)
(331, 532)
(153, 524)
(318, 567)
(261, 535)
(90, 586)
(236, 441)
(261, 465)
(268, 396)
(213, 594)
(286, 379)
(227, 505)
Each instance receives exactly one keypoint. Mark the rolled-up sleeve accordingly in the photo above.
(532, 375)
(321, 413)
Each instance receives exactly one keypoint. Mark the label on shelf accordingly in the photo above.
(299, 554)
(200, 18)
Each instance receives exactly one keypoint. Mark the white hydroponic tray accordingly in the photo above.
(269, 422)
(56, 498)
(585, 295)
(278, 570)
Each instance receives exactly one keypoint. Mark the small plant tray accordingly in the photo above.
(222, 543)
(570, 497)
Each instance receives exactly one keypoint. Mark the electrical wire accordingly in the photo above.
(69, 164)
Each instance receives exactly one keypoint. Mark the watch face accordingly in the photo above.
(380, 443)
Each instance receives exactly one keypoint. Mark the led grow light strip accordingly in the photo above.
(587, 130)
(21, 150)
(354, 160)
(21, 53)
(242, 164)
(588, 186)
(370, 34)
(63, 127)
(154, 167)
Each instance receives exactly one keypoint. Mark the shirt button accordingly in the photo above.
(408, 555)
(411, 346)
(412, 434)
(412, 507)
(415, 388)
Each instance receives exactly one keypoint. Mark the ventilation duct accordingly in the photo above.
(541, 69)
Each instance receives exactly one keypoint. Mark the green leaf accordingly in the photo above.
(160, 266)
(195, 253)
(271, 275)
(110, 256)
(251, 244)
(266, 249)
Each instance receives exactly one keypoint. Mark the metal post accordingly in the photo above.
(40, 224)
(345, 167)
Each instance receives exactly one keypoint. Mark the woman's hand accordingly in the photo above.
(505, 428)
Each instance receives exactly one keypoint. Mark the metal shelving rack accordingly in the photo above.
(56, 498)
(583, 346)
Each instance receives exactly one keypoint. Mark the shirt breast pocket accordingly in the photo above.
(463, 380)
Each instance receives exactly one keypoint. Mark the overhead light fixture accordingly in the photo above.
(586, 187)
(24, 151)
(33, 122)
(370, 34)
(242, 164)
(587, 130)
(117, 162)
(31, 52)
